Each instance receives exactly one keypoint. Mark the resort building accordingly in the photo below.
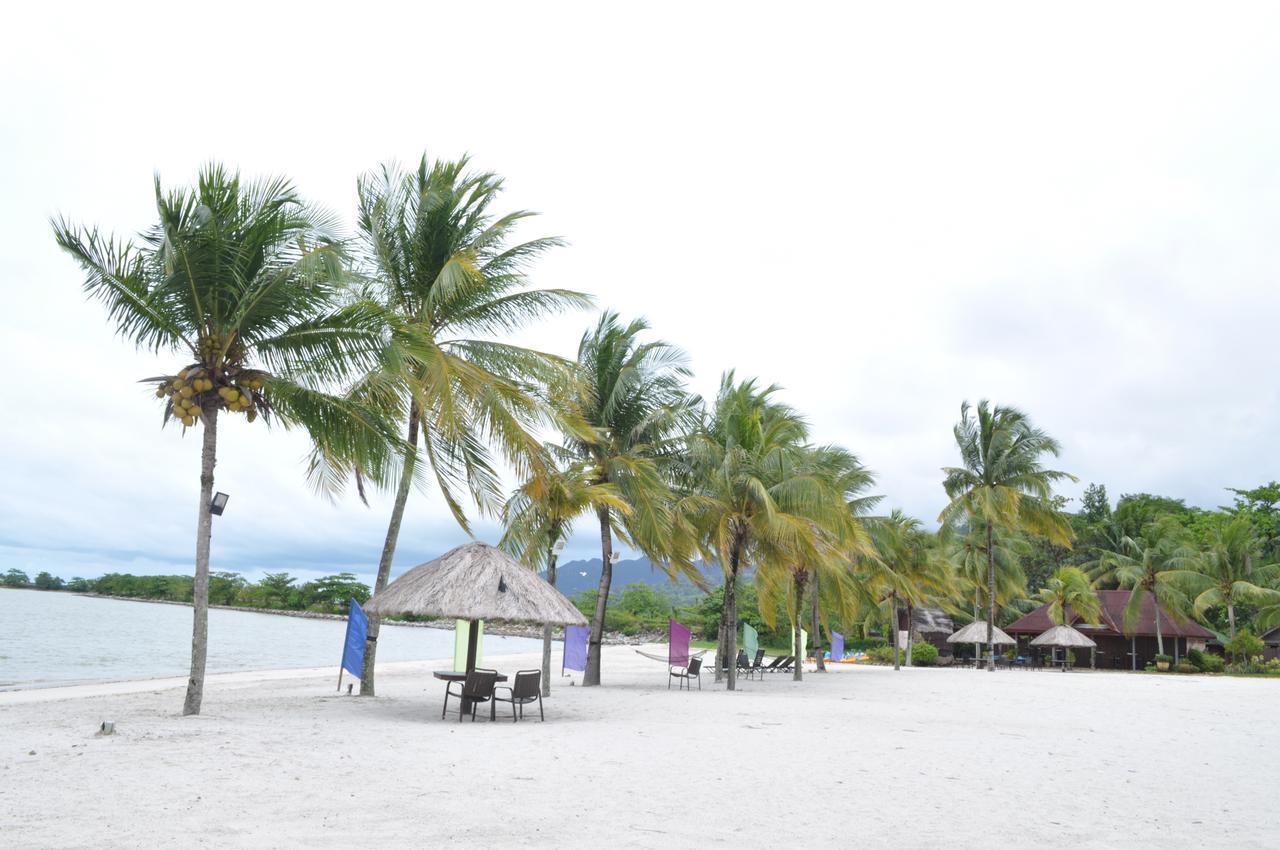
(931, 625)
(1118, 647)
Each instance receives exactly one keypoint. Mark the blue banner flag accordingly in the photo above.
(353, 646)
(575, 648)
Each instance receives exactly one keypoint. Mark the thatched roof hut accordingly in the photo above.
(476, 581)
(976, 632)
(1064, 636)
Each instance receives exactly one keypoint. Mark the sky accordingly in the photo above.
(885, 209)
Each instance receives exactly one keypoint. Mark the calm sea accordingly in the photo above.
(49, 639)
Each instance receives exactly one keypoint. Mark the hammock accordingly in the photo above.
(666, 659)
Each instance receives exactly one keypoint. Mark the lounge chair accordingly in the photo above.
(786, 665)
(685, 674)
(772, 665)
(476, 688)
(744, 663)
(527, 688)
(756, 665)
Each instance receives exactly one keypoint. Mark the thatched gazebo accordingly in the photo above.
(1065, 637)
(976, 632)
(476, 581)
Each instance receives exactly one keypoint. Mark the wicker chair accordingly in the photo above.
(526, 688)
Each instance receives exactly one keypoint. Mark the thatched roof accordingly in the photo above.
(931, 621)
(976, 632)
(476, 581)
(1063, 636)
(1113, 604)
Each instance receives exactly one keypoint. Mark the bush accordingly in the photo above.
(1166, 659)
(1197, 657)
(1212, 663)
(881, 654)
(1187, 667)
(1244, 645)
(923, 653)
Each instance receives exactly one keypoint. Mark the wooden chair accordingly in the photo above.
(477, 688)
(526, 688)
(686, 674)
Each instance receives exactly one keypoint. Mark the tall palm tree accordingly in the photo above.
(447, 272)
(1070, 588)
(1228, 573)
(753, 495)
(540, 514)
(242, 280)
(1148, 565)
(1004, 483)
(966, 545)
(630, 412)
(816, 565)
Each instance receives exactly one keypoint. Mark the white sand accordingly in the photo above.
(856, 757)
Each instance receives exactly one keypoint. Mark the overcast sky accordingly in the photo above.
(1069, 209)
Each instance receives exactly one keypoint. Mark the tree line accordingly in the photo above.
(274, 591)
(391, 350)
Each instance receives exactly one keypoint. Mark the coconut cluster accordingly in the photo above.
(197, 389)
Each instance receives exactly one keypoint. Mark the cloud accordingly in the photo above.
(885, 212)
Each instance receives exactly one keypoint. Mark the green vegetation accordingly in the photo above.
(924, 654)
(274, 591)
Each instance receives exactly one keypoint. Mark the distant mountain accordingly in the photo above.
(576, 576)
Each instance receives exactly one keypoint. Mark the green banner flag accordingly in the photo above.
(750, 641)
(461, 630)
(804, 644)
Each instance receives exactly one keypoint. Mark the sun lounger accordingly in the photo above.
(786, 665)
(772, 665)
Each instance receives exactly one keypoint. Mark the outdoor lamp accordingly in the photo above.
(614, 556)
(558, 546)
(218, 504)
(502, 584)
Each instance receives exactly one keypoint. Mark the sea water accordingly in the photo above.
(49, 638)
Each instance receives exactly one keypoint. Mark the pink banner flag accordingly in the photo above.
(677, 644)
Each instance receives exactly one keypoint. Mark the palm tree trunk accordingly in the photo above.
(592, 674)
(1159, 638)
(991, 602)
(389, 551)
(200, 586)
(815, 628)
(910, 639)
(1231, 618)
(546, 630)
(798, 671)
(731, 617)
(893, 630)
(977, 607)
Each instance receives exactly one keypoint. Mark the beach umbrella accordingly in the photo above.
(976, 632)
(474, 582)
(1066, 637)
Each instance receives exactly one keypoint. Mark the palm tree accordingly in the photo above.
(909, 570)
(1148, 565)
(443, 266)
(815, 565)
(539, 516)
(1069, 587)
(1003, 483)
(1227, 573)
(754, 495)
(242, 279)
(966, 547)
(629, 410)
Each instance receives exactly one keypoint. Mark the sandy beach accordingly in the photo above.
(855, 757)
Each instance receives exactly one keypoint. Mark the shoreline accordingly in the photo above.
(496, 628)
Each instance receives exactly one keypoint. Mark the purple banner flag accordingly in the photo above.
(837, 646)
(677, 644)
(575, 648)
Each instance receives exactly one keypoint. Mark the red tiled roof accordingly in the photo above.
(1113, 604)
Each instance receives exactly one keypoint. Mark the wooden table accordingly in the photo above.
(454, 676)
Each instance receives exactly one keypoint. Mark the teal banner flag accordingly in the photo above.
(750, 641)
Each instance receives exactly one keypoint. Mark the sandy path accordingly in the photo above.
(859, 756)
